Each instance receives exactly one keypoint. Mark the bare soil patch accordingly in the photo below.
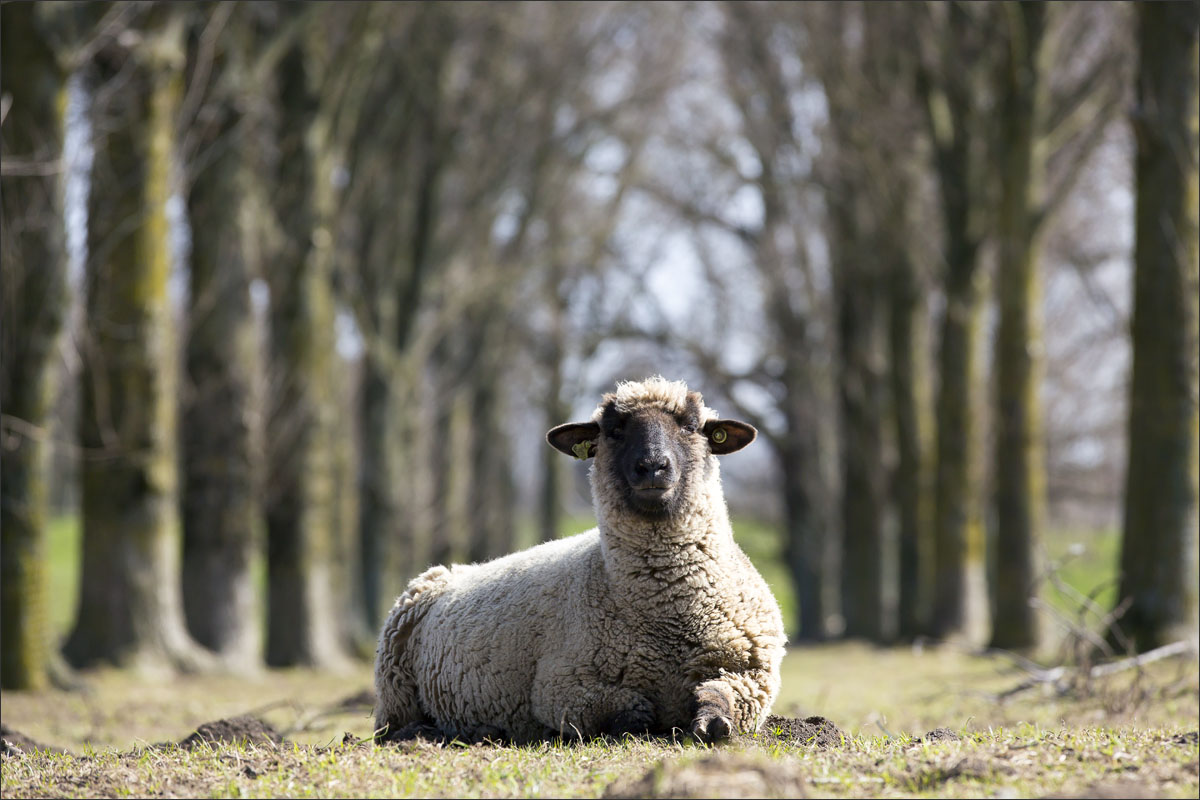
(234, 730)
(810, 731)
(939, 735)
(16, 744)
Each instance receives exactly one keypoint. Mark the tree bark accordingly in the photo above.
(910, 418)
(401, 216)
(1159, 538)
(1019, 455)
(809, 548)
(489, 501)
(960, 580)
(862, 405)
(443, 541)
(130, 611)
(34, 282)
(378, 482)
(220, 511)
(957, 128)
(555, 411)
(302, 611)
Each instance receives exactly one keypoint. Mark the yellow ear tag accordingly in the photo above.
(581, 450)
(719, 436)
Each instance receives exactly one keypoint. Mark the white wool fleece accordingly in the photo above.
(630, 625)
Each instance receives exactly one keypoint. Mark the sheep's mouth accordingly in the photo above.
(652, 499)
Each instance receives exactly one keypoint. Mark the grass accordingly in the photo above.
(1128, 732)
(1008, 763)
(63, 553)
(1131, 734)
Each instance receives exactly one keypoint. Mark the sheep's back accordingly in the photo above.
(477, 649)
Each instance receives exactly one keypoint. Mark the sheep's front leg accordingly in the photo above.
(575, 703)
(736, 702)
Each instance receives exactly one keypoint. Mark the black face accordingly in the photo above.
(650, 456)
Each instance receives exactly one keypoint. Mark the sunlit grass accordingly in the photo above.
(1087, 561)
(64, 556)
(1118, 736)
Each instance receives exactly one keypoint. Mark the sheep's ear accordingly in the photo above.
(728, 435)
(575, 439)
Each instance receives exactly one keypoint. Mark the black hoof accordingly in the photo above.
(712, 727)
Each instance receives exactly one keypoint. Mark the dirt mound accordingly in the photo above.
(356, 701)
(939, 735)
(235, 730)
(14, 744)
(721, 774)
(811, 731)
(1191, 737)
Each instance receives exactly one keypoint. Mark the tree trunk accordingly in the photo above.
(556, 411)
(960, 581)
(489, 507)
(443, 543)
(129, 602)
(378, 482)
(1019, 465)
(33, 279)
(910, 396)
(862, 396)
(956, 121)
(302, 611)
(358, 635)
(221, 517)
(1159, 541)
(810, 547)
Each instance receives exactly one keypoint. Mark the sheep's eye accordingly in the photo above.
(616, 433)
(689, 428)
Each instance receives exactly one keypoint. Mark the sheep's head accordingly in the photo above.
(650, 439)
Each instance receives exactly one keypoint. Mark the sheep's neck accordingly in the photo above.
(635, 549)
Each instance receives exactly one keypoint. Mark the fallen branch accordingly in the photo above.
(1182, 647)
(1064, 678)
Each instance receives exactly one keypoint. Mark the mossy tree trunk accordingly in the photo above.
(220, 512)
(909, 394)
(399, 133)
(33, 278)
(1159, 539)
(302, 611)
(869, 156)
(810, 548)
(1019, 453)
(960, 588)
(129, 603)
(444, 372)
(754, 80)
(490, 489)
(958, 131)
(855, 235)
(862, 396)
(555, 412)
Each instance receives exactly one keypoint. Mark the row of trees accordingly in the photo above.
(474, 197)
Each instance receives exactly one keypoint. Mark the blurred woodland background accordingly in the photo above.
(293, 291)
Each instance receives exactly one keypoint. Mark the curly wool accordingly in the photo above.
(629, 625)
(656, 392)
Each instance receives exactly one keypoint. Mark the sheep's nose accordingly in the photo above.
(653, 465)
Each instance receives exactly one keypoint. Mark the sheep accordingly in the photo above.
(655, 621)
